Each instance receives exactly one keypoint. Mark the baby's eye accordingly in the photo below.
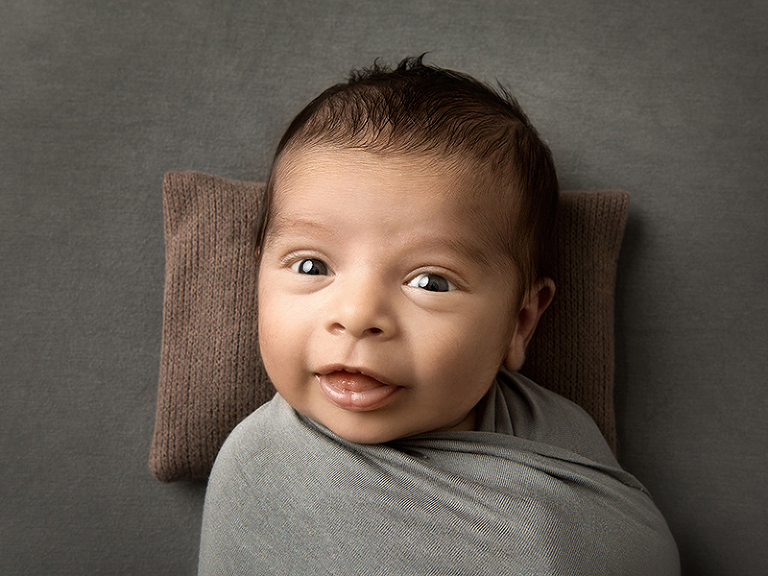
(310, 266)
(432, 282)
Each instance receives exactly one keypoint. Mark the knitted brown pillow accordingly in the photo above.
(211, 376)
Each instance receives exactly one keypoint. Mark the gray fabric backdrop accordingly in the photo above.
(98, 98)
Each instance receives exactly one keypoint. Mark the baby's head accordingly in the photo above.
(408, 214)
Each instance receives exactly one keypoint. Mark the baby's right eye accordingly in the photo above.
(310, 266)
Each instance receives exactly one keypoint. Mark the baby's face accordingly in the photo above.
(377, 317)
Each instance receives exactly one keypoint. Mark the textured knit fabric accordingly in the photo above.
(535, 491)
(572, 350)
(211, 375)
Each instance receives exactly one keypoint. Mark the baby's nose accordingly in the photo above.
(362, 309)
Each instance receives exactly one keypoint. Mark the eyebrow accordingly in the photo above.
(280, 224)
(474, 252)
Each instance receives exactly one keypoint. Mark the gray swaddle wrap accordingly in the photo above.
(535, 490)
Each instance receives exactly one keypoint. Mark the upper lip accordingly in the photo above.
(331, 368)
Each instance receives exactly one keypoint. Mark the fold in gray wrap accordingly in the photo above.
(536, 490)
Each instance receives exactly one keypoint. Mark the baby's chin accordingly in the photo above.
(378, 432)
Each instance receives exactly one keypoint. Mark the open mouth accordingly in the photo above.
(355, 391)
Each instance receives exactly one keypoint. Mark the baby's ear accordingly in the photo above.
(532, 307)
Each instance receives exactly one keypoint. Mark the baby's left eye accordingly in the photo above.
(432, 282)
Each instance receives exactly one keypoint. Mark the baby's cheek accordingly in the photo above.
(442, 354)
(270, 347)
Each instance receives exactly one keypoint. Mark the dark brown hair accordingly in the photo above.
(429, 111)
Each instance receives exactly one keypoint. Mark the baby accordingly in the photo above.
(409, 211)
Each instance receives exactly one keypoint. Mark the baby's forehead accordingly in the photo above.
(469, 179)
(461, 190)
(480, 191)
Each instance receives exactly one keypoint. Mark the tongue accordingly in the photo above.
(352, 382)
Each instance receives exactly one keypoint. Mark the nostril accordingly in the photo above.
(375, 330)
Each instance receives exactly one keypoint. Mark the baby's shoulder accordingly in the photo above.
(542, 415)
(260, 439)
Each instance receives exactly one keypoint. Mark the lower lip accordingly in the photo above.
(372, 395)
